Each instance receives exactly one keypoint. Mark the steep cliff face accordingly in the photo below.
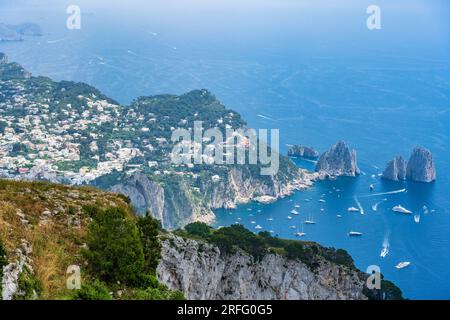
(202, 272)
(174, 205)
(421, 166)
(338, 161)
(303, 151)
(395, 169)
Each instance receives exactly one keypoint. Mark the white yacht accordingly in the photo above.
(353, 209)
(355, 234)
(258, 227)
(297, 206)
(289, 217)
(294, 211)
(402, 265)
(401, 209)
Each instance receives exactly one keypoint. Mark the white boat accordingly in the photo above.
(289, 217)
(353, 209)
(294, 211)
(417, 218)
(258, 227)
(270, 219)
(310, 222)
(401, 209)
(355, 234)
(425, 210)
(253, 222)
(384, 252)
(293, 227)
(307, 200)
(239, 219)
(322, 200)
(300, 234)
(297, 206)
(339, 216)
(372, 186)
(259, 210)
(402, 265)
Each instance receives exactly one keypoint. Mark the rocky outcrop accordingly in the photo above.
(303, 152)
(240, 185)
(175, 205)
(421, 166)
(12, 271)
(202, 272)
(395, 169)
(338, 161)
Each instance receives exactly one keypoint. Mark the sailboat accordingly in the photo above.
(310, 220)
(300, 234)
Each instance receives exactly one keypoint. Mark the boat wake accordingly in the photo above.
(361, 209)
(375, 206)
(383, 193)
(385, 249)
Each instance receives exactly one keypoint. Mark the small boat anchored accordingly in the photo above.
(401, 209)
(355, 234)
(417, 218)
(258, 227)
(295, 212)
(353, 209)
(402, 265)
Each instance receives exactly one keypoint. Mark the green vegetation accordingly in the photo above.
(92, 291)
(30, 286)
(149, 229)
(115, 249)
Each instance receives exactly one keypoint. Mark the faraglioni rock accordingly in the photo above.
(395, 169)
(421, 166)
(340, 160)
(303, 151)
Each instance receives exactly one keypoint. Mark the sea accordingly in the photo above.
(311, 69)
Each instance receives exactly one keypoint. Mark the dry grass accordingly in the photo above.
(56, 239)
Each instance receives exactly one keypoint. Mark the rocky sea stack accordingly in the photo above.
(303, 152)
(340, 160)
(395, 169)
(421, 166)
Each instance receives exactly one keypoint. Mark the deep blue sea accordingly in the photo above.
(313, 71)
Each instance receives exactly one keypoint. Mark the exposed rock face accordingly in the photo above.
(395, 169)
(241, 186)
(421, 166)
(201, 272)
(174, 208)
(338, 161)
(303, 151)
(12, 271)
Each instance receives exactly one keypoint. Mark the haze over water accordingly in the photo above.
(312, 70)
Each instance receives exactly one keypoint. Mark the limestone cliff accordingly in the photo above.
(395, 169)
(175, 205)
(303, 151)
(202, 272)
(421, 166)
(338, 161)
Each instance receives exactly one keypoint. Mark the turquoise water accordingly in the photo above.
(313, 71)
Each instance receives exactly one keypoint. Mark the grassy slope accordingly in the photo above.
(57, 239)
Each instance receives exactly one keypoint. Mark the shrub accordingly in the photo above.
(149, 230)
(198, 229)
(115, 250)
(92, 291)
